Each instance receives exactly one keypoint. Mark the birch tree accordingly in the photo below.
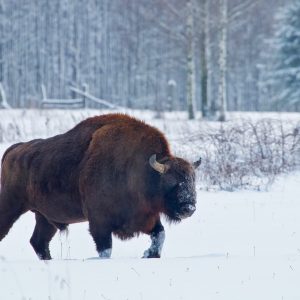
(222, 85)
(227, 19)
(205, 64)
(191, 93)
(2, 16)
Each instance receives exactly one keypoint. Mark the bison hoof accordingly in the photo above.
(151, 254)
(105, 254)
(44, 256)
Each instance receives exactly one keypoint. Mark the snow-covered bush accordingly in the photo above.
(246, 154)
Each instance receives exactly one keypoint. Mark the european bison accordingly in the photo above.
(113, 171)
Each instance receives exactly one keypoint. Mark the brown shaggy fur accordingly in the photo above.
(98, 171)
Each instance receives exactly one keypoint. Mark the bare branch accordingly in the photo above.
(241, 9)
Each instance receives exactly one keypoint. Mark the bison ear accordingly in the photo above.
(161, 168)
(197, 163)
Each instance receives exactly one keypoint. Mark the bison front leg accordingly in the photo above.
(157, 235)
(41, 237)
(103, 239)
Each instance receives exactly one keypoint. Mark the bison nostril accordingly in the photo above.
(188, 209)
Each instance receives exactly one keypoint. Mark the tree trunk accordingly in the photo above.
(222, 88)
(204, 60)
(190, 62)
(75, 51)
(1, 43)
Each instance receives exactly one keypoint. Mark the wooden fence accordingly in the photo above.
(76, 102)
(81, 102)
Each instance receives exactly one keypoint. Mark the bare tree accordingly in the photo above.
(222, 86)
(227, 19)
(190, 61)
(2, 16)
(205, 69)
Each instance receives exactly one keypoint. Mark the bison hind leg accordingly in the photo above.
(157, 236)
(41, 237)
(10, 211)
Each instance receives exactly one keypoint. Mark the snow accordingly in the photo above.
(241, 245)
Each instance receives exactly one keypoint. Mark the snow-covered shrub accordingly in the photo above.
(246, 154)
(12, 132)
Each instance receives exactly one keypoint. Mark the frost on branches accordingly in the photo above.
(283, 75)
(245, 154)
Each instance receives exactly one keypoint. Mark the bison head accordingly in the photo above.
(177, 185)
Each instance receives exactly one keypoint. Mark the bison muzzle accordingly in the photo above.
(113, 171)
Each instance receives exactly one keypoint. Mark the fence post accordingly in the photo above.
(85, 89)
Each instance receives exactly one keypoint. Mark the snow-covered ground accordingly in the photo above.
(241, 245)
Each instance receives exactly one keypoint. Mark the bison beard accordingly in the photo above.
(113, 171)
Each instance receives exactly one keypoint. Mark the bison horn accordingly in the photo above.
(161, 168)
(197, 163)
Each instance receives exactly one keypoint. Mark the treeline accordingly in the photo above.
(159, 54)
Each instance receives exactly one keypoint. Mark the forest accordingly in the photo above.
(195, 55)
